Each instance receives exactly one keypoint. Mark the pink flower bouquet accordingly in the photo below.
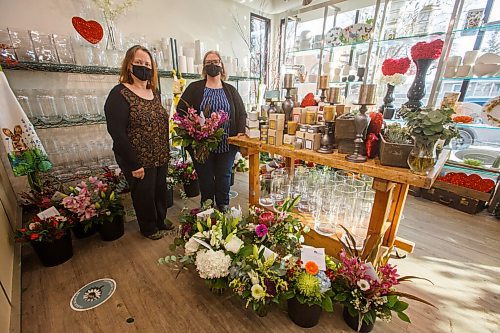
(200, 133)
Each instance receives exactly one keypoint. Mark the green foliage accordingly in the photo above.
(394, 133)
(430, 125)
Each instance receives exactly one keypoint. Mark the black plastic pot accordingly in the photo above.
(192, 189)
(170, 197)
(232, 178)
(113, 230)
(354, 321)
(79, 230)
(56, 252)
(303, 315)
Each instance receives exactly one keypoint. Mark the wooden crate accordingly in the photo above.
(393, 154)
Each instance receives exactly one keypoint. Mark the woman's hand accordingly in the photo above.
(139, 173)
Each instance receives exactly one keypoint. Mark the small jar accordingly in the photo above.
(310, 117)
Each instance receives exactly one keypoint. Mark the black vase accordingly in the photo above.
(303, 315)
(232, 178)
(56, 252)
(79, 230)
(170, 197)
(388, 108)
(112, 230)
(417, 90)
(192, 189)
(353, 322)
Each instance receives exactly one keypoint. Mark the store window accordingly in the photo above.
(259, 46)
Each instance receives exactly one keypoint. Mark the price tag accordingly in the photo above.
(317, 255)
(49, 212)
(267, 252)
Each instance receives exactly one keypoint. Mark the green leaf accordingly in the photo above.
(327, 304)
(391, 300)
(404, 317)
(400, 306)
(340, 297)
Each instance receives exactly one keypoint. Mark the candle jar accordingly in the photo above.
(323, 82)
(292, 127)
(288, 81)
(310, 117)
(367, 94)
(328, 112)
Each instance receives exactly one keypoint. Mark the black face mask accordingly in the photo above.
(213, 70)
(142, 72)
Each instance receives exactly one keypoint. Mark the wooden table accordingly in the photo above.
(390, 184)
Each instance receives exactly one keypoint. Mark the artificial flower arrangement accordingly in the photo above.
(44, 230)
(201, 131)
(366, 286)
(424, 50)
(93, 201)
(394, 70)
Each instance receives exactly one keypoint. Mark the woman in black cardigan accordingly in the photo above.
(213, 93)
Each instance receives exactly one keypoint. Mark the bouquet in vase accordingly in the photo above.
(201, 132)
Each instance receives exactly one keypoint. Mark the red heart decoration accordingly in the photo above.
(90, 30)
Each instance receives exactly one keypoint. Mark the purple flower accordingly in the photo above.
(261, 230)
(270, 287)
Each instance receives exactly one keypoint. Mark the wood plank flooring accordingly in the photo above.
(460, 253)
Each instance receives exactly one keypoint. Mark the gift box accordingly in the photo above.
(252, 123)
(252, 116)
(299, 115)
(312, 141)
(299, 137)
(289, 139)
(253, 133)
(277, 121)
(275, 137)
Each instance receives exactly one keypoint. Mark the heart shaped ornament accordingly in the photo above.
(91, 31)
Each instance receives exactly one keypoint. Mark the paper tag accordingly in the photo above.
(314, 254)
(371, 272)
(202, 242)
(267, 252)
(78, 189)
(49, 212)
(205, 214)
(58, 196)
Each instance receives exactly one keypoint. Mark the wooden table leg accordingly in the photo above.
(398, 203)
(380, 213)
(253, 181)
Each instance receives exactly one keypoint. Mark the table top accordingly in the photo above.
(372, 167)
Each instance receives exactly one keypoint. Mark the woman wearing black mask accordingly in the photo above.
(215, 174)
(138, 124)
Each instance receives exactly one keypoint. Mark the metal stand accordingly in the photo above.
(323, 94)
(327, 138)
(361, 123)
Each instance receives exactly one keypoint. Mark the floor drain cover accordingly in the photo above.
(233, 194)
(93, 294)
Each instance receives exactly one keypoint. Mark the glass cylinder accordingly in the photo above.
(265, 190)
(48, 110)
(25, 103)
(344, 206)
(361, 216)
(91, 107)
(73, 111)
(422, 157)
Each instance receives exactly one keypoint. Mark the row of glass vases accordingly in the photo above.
(332, 198)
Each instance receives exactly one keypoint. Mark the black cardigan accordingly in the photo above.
(193, 96)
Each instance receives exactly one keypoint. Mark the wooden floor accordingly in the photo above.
(458, 252)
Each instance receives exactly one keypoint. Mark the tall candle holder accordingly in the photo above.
(367, 96)
(287, 105)
(334, 95)
(323, 86)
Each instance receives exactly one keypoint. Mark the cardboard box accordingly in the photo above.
(253, 115)
(299, 115)
(275, 137)
(252, 123)
(312, 141)
(289, 139)
(320, 117)
(280, 122)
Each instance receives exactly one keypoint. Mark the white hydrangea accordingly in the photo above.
(395, 80)
(212, 264)
(191, 246)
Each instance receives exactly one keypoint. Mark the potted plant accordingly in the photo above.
(186, 174)
(50, 238)
(395, 146)
(366, 287)
(309, 293)
(239, 165)
(427, 127)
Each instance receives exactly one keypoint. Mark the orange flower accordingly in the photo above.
(312, 268)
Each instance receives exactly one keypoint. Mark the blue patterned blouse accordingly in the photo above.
(217, 100)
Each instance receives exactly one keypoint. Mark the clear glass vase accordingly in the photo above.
(422, 157)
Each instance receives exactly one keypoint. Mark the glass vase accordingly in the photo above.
(422, 157)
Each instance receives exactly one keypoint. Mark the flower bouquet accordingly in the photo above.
(200, 131)
(50, 238)
(183, 172)
(367, 290)
(394, 70)
(309, 292)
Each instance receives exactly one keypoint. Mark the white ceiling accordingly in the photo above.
(281, 6)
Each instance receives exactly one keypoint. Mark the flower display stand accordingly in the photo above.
(391, 186)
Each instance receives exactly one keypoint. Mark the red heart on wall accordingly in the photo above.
(90, 30)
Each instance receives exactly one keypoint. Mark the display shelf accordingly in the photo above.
(471, 78)
(409, 38)
(307, 51)
(100, 70)
(346, 82)
(489, 27)
(69, 124)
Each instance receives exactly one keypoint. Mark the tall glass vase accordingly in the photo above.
(417, 90)
(388, 108)
(111, 41)
(422, 157)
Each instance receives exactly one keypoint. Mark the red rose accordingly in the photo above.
(424, 50)
(55, 224)
(266, 218)
(34, 236)
(22, 230)
(395, 66)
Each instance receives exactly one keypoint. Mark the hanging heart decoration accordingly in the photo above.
(91, 31)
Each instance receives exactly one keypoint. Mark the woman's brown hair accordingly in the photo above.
(126, 75)
(222, 74)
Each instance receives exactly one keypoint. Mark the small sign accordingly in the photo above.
(317, 255)
(267, 252)
(49, 212)
(93, 294)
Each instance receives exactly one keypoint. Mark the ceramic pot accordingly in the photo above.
(303, 315)
(112, 230)
(56, 252)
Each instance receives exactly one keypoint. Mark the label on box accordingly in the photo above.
(296, 117)
(271, 140)
(316, 255)
(49, 212)
(272, 124)
(309, 144)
